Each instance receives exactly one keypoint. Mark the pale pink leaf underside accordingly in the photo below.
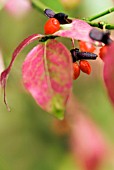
(49, 81)
(78, 30)
(109, 71)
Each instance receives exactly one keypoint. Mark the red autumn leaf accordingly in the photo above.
(78, 30)
(109, 71)
(87, 142)
(5, 73)
(47, 75)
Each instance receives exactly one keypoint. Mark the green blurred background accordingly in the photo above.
(27, 138)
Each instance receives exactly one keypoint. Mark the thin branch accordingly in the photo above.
(108, 11)
(101, 25)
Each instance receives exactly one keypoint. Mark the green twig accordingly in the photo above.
(101, 25)
(108, 11)
(39, 6)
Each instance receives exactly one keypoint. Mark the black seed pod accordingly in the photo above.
(44, 39)
(61, 17)
(98, 35)
(86, 55)
(76, 55)
(49, 13)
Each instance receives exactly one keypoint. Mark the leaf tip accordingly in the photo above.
(3, 80)
(58, 107)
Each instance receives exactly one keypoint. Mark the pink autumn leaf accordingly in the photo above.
(5, 73)
(78, 30)
(47, 75)
(87, 142)
(109, 71)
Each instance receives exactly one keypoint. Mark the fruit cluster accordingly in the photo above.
(86, 49)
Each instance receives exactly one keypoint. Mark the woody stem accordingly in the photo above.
(108, 11)
(100, 25)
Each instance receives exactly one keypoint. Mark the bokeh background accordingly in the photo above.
(31, 139)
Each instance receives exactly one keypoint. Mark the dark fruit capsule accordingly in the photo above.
(86, 55)
(49, 13)
(61, 17)
(98, 35)
(77, 55)
(43, 39)
(74, 54)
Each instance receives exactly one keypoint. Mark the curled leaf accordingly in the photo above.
(47, 75)
(109, 71)
(78, 30)
(5, 73)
